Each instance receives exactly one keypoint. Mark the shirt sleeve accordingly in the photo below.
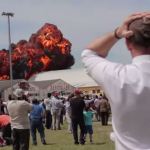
(100, 69)
(27, 106)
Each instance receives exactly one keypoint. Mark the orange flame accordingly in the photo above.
(35, 55)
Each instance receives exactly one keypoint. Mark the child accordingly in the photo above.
(88, 113)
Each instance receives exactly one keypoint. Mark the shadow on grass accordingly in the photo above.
(50, 143)
(100, 143)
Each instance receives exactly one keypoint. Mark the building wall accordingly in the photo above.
(91, 90)
(33, 91)
(37, 92)
(61, 86)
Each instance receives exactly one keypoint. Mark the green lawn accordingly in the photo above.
(61, 140)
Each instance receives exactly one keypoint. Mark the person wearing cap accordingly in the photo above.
(77, 106)
(126, 86)
(18, 110)
(56, 105)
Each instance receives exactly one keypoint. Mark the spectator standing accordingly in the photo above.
(56, 106)
(96, 103)
(77, 105)
(36, 116)
(104, 107)
(88, 114)
(68, 112)
(126, 86)
(18, 110)
(48, 111)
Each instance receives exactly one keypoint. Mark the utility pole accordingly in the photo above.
(9, 14)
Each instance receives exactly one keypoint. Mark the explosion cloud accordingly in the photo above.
(46, 50)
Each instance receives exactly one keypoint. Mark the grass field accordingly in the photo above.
(61, 140)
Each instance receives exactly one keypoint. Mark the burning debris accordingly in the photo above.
(46, 50)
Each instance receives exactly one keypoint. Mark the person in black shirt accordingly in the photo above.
(77, 106)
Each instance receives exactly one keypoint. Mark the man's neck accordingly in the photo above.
(139, 52)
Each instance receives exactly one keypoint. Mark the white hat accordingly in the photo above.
(19, 92)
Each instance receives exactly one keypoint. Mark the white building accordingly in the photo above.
(38, 89)
(75, 77)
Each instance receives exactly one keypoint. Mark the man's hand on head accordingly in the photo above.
(123, 31)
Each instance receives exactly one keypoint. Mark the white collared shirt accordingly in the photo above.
(128, 90)
(47, 103)
(97, 102)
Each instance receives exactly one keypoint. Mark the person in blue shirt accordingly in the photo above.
(36, 116)
(88, 114)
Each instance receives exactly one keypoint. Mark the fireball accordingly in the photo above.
(45, 51)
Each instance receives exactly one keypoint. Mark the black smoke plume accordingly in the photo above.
(45, 51)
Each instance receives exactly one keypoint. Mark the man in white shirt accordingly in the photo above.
(127, 86)
(55, 106)
(48, 111)
(18, 110)
(96, 103)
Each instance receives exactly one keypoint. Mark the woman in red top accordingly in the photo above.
(5, 128)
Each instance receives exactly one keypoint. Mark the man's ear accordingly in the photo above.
(128, 44)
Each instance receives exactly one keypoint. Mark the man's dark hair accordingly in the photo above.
(49, 95)
(141, 30)
(35, 101)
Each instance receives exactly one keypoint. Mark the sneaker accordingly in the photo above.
(44, 142)
(91, 142)
(35, 144)
(76, 143)
(82, 143)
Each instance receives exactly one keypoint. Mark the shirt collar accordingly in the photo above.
(141, 58)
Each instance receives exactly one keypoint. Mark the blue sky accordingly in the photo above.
(81, 21)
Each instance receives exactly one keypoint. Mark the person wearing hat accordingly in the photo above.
(56, 105)
(77, 106)
(126, 86)
(18, 110)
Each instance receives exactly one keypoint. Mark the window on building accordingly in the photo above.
(93, 91)
(98, 91)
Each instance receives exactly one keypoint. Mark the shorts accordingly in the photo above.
(88, 129)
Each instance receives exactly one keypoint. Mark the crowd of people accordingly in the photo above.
(19, 117)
